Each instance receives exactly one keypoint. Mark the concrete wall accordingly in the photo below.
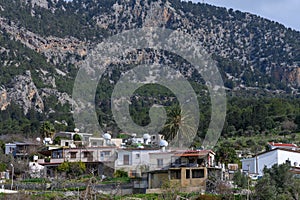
(191, 182)
(157, 179)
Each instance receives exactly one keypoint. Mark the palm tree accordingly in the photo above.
(180, 127)
(47, 130)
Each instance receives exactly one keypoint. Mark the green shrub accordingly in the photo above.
(120, 173)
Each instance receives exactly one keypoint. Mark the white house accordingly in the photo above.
(276, 156)
(134, 161)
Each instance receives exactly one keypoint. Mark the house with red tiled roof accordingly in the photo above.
(273, 145)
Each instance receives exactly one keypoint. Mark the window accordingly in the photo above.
(175, 174)
(187, 174)
(87, 154)
(160, 162)
(126, 160)
(106, 153)
(73, 154)
(94, 144)
(197, 173)
(11, 149)
(137, 156)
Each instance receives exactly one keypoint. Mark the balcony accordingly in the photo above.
(49, 161)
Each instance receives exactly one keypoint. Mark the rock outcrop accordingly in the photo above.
(25, 93)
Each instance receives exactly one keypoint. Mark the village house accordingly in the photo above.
(273, 145)
(95, 158)
(98, 154)
(135, 161)
(20, 149)
(134, 156)
(188, 169)
(276, 156)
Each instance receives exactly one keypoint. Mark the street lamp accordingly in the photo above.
(12, 175)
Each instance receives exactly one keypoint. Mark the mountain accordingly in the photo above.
(43, 43)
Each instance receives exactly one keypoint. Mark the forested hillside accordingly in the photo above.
(43, 43)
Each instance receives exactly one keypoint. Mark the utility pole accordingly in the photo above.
(12, 175)
(248, 180)
(256, 162)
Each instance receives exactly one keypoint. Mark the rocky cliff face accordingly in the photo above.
(250, 51)
(23, 92)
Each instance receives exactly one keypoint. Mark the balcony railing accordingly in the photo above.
(77, 159)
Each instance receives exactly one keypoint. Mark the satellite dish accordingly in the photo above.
(133, 134)
(163, 143)
(76, 130)
(38, 139)
(107, 136)
(146, 136)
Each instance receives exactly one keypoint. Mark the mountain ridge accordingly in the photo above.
(51, 38)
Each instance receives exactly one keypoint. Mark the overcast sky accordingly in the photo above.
(286, 12)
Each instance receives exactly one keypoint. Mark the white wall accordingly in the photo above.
(267, 159)
(288, 155)
(135, 161)
(248, 164)
(166, 156)
(9, 148)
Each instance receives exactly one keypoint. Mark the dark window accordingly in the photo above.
(197, 173)
(87, 154)
(73, 154)
(160, 162)
(176, 174)
(187, 173)
(126, 160)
